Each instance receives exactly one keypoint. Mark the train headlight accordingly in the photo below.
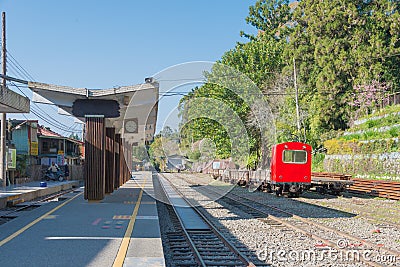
(280, 177)
(305, 177)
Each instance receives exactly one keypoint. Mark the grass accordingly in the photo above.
(373, 135)
(390, 120)
(386, 110)
(380, 198)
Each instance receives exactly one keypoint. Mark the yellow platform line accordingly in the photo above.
(26, 227)
(123, 249)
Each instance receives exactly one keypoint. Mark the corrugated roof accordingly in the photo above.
(45, 132)
(42, 131)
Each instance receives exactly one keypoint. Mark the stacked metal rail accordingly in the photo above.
(386, 189)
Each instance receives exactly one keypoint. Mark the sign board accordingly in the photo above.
(216, 165)
(60, 157)
(11, 159)
(34, 151)
(104, 107)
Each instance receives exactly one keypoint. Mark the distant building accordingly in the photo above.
(177, 162)
(22, 134)
(37, 145)
(57, 148)
(22, 143)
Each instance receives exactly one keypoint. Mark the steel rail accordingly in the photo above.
(34, 203)
(231, 246)
(299, 229)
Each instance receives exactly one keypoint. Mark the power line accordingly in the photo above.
(55, 124)
(17, 68)
(46, 114)
(20, 67)
(14, 70)
(73, 129)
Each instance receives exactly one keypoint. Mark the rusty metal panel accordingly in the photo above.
(129, 161)
(110, 160)
(121, 162)
(127, 173)
(117, 160)
(95, 158)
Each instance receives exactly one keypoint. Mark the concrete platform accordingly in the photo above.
(145, 247)
(32, 190)
(121, 230)
(191, 220)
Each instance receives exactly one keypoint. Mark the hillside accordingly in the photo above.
(370, 148)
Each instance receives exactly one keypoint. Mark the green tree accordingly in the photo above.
(260, 60)
(139, 153)
(338, 44)
(157, 153)
(74, 136)
(271, 17)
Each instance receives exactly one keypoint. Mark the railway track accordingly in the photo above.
(202, 247)
(13, 212)
(325, 235)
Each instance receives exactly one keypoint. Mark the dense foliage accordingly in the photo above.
(338, 48)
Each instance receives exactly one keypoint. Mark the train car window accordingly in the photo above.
(295, 156)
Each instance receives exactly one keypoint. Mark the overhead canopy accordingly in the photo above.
(133, 104)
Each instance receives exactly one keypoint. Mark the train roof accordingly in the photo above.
(293, 145)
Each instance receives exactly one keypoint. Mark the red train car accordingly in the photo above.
(290, 168)
(289, 173)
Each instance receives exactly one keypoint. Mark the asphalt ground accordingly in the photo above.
(75, 232)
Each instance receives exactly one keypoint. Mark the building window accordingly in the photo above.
(45, 147)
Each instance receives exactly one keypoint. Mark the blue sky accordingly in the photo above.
(102, 44)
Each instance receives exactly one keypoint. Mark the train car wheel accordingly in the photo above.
(278, 191)
(269, 189)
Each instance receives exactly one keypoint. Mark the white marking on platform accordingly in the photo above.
(50, 217)
(81, 238)
(147, 217)
(144, 262)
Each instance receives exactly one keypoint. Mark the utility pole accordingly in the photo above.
(83, 132)
(297, 97)
(3, 116)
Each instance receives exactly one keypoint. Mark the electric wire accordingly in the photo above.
(14, 70)
(73, 129)
(17, 68)
(40, 110)
(59, 126)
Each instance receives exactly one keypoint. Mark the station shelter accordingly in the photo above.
(115, 120)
